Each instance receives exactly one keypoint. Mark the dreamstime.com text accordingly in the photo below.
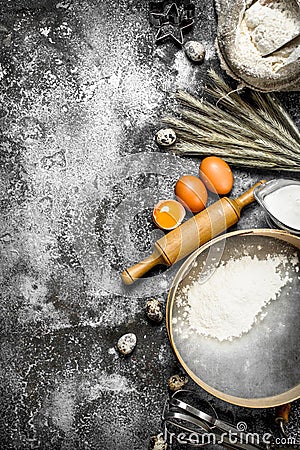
(231, 437)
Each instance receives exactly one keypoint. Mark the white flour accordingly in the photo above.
(259, 29)
(228, 304)
(271, 24)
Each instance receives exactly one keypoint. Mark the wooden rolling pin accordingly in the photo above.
(193, 233)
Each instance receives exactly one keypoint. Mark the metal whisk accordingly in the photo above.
(187, 424)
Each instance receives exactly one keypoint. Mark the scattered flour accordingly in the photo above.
(229, 303)
(79, 120)
(185, 71)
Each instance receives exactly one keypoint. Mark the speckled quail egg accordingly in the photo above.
(157, 443)
(165, 137)
(126, 344)
(154, 310)
(194, 50)
(177, 382)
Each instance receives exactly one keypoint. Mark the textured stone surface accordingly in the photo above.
(83, 87)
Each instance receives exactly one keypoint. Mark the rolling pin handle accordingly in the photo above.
(130, 275)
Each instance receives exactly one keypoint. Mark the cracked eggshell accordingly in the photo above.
(194, 51)
(126, 344)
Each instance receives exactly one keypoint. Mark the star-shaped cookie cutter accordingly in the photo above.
(172, 19)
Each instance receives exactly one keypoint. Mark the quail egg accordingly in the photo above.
(126, 344)
(194, 50)
(165, 137)
(177, 382)
(157, 443)
(154, 310)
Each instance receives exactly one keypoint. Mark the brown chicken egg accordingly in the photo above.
(191, 192)
(216, 175)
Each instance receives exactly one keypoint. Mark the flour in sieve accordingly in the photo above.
(228, 304)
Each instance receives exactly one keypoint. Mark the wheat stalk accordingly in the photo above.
(257, 133)
(192, 149)
(193, 133)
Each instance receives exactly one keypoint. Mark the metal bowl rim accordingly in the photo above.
(261, 402)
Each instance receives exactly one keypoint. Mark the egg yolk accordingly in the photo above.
(168, 214)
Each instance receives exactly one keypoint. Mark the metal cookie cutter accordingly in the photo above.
(171, 19)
